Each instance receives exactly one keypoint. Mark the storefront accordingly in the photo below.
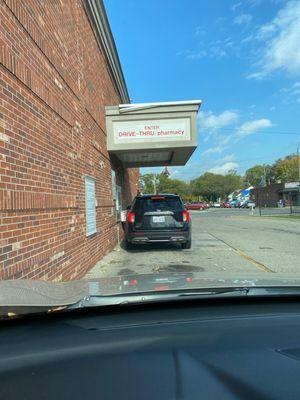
(291, 193)
(153, 134)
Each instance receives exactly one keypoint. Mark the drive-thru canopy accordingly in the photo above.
(152, 134)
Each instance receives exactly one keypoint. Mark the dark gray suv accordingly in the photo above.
(158, 218)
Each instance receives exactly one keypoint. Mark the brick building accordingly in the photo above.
(271, 195)
(58, 70)
(267, 196)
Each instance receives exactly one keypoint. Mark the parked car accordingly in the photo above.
(226, 205)
(216, 205)
(234, 203)
(195, 206)
(158, 218)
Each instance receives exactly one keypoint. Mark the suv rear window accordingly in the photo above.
(158, 203)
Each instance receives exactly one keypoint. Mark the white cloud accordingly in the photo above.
(281, 37)
(214, 150)
(211, 51)
(208, 120)
(200, 31)
(266, 31)
(254, 2)
(242, 19)
(196, 55)
(236, 5)
(296, 89)
(217, 52)
(226, 159)
(220, 20)
(224, 168)
(289, 94)
(216, 49)
(249, 127)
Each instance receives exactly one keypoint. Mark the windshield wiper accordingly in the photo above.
(154, 297)
(150, 297)
(98, 300)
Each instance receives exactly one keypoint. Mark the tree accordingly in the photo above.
(147, 183)
(164, 184)
(259, 175)
(232, 182)
(211, 186)
(286, 169)
(168, 185)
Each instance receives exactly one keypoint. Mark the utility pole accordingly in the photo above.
(265, 176)
(298, 159)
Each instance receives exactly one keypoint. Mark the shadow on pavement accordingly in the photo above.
(144, 248)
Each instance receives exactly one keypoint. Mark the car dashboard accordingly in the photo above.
(189, 350)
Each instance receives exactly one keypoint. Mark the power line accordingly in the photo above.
(256, 132)
(262, 158)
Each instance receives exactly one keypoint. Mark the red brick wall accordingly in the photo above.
(54, 85)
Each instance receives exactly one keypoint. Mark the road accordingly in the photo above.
(225, 241)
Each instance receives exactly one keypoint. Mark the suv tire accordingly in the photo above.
(128, 245)
(187, 245)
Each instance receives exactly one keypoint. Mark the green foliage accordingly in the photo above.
(164, 184)
(211, 186)
(208, 186)
(255, 175)
(283, 170)
(147, 183)
(286, 169)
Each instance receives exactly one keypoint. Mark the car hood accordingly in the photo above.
(33, 293)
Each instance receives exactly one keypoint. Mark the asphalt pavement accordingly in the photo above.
(224, 241)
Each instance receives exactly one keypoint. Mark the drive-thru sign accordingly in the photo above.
(152, 134)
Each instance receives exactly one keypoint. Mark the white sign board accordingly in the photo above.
(291, 185)
(90, 206)
(123, 215)
(148, 130)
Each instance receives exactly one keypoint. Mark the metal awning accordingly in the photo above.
(291, 190)
(153, 134)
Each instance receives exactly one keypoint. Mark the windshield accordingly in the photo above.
(157, 203)
(148, 146)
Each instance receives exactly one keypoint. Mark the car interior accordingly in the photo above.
(191, 349)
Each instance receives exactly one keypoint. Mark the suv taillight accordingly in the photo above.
(186, 216)
(131, 217)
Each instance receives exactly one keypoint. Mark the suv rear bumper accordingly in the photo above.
(159, 236)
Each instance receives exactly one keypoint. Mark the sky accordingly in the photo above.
(241, 58)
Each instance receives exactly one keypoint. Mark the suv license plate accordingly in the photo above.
(159, 219)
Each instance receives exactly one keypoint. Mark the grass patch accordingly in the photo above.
(289, 216)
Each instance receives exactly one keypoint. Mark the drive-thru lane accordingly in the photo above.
(225, 241)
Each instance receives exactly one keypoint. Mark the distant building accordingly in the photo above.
(291, 193)
(271, 195)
